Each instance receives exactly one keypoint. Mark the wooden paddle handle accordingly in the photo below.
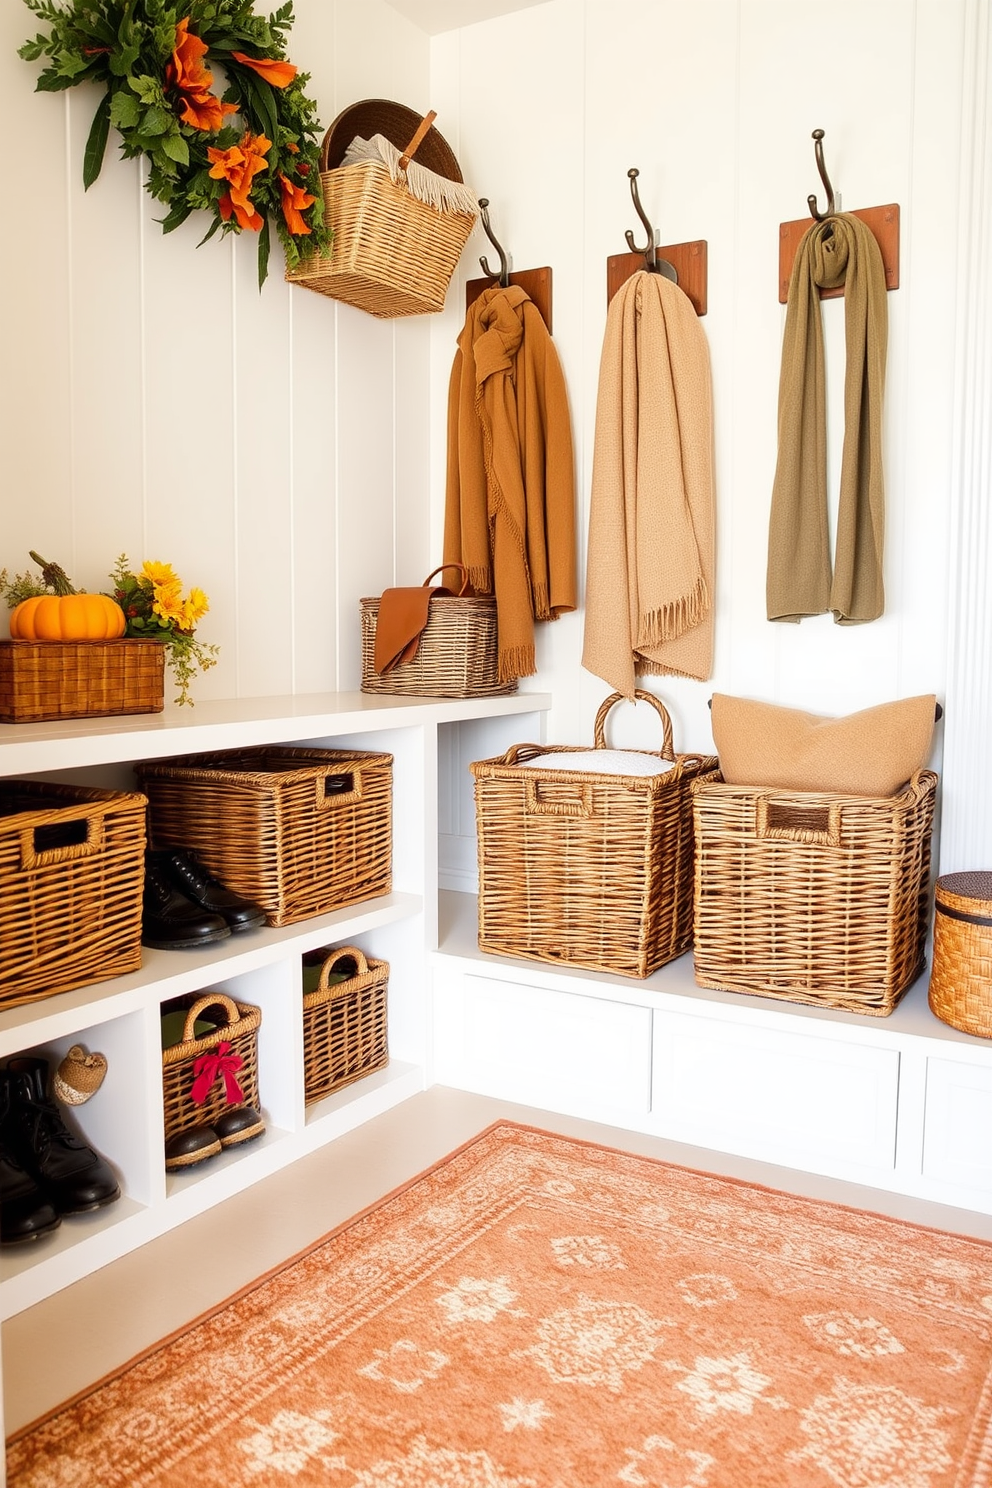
(415, 143)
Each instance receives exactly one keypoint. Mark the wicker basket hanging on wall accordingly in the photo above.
(393, 254)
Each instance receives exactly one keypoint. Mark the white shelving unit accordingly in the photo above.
(902, 1103)
(120, 1017)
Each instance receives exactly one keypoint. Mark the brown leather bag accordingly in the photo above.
(403, 616)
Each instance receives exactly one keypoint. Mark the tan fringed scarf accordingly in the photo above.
(510, 496)
(841, 250)
(650, 570)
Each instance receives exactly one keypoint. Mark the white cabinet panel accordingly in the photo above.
(957, 1143)
(799, 1099)
(569, 1053)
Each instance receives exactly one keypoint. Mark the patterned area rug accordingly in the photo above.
(537, 1312)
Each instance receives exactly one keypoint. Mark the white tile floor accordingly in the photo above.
(119, 1311)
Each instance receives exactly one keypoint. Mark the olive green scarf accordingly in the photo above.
(840, 250)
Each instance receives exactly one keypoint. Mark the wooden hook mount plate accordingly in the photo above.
(884, 224)
(688, 259)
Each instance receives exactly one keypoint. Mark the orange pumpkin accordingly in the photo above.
(67, 617)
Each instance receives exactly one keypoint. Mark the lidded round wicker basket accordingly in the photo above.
(961, 976)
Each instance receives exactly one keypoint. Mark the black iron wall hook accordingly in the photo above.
(814, 211)
(652, 262)
(504, 263)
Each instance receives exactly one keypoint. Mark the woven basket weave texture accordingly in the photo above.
(40, 680)
(961, 976)
(811, 896)
(238, 1024)
(71, 876)
(297, 831)
(589, 869)
(457, 657)
(345, 1023)
(392, 254)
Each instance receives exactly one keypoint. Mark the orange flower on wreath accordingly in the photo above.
(191, 80)
(240, 165)
(294, 201)
(278, 74)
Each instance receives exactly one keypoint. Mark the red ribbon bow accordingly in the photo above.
(209, 1066)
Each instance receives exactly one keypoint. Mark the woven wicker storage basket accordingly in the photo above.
(392, 254)
(79, 679)
(458, 654)
(237, 1025)
(590, 869)
(344, 1022)
(961, 974)
(813, 897)
(297, 831)
(72, 862)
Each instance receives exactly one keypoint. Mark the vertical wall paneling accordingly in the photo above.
(966, 840)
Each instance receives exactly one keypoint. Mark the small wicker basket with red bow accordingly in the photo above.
(201, 1077)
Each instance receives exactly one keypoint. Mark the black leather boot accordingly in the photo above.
(169, 918)
(25, 1213)
(181, 867)
(70, 1174)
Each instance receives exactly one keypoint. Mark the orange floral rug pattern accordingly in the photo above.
(537, 1312)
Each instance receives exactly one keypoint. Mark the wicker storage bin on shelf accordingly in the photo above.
(344, 1022)
(392, 254)
(590, 869)
(458, 653)
(237, 1026)
(813, 897)
(297, 831)
(40, 680)
(961, 975)
(72, 862)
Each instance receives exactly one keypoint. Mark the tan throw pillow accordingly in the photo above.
(872, 753)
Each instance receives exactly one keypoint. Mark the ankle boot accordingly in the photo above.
(25, 1213)
(169, 918)
(187, 874)
(70, 1174)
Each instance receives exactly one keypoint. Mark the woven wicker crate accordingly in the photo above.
(297, 831)
(961, 975)
(71, 874)
(392, 255)
(80, 679)
(813, 897)
(237, 1027)
(344, 1022)
(590, 869)
(457, 655)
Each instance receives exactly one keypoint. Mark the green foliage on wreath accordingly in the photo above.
(248, 156)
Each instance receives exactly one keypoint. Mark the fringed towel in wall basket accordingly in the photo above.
(399, 224)
(510, 496)
(651, 563)
(839, 250)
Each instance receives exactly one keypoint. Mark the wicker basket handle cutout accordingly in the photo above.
(791, 819)
(333, 788)
(57, 836)
(667, 750)
(211, 999)
(550, 797)
(466, 588)
(343, 953)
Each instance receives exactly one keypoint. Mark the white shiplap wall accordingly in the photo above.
(287, 453)
(271, 446)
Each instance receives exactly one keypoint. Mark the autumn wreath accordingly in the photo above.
(245, 155)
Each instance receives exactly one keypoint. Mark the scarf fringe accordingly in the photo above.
(435, 191)
(675, 618)
(481, 579)
(518, 661)
(645, 667)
